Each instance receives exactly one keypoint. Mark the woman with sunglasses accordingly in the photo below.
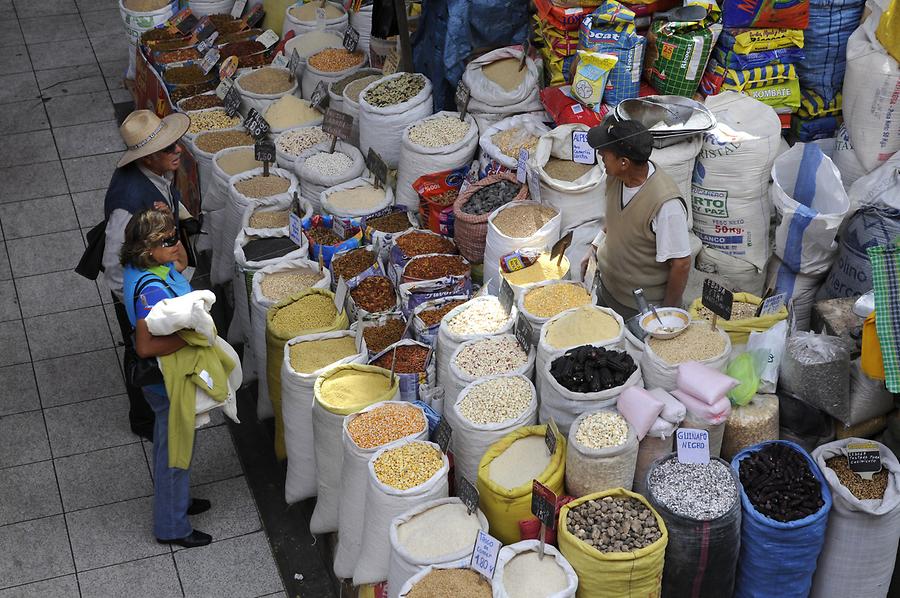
(152, 260)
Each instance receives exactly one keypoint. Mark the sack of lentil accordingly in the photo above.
(434, 144)
(505, 475)
(517, 226)
(700, 506)
(260, 87)
(269, 285)
(543, 301)
(863, 526)
(401, 477)
(415, 366)
(473, 207)
(750, 424)
(447, 580)
(386, 107)
(428, 315)
(318, 170)
(478, 318)
(414, 294)
(438, 533)
(635, 568)
(329, 66)
(339, 391)
(742, 321)
(500, 143)
(291, 142)
(565, 405)
(700, 343)
(302, 18)
(307, 312)
(411, 243)
(351, 201)
(305, 358)
(485, 411)
(522, 572)
(780, 550)
(602, 453)
(377, 426)
(816, 368)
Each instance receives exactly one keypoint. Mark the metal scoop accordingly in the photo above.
(684, 14)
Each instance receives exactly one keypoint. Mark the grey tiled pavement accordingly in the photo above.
(75, 483)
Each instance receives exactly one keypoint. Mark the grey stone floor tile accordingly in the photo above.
(14, 60)
(155, 576)
(5, 272)
(67, 333)
(58, 587)
(89, 426)
(21, 86)
(28, 492)
(81, 108)
(18, 390)
(54, 28)
(27, 148)
(110, 47)
(103, 477)
(214, 456)
(120, 96)
(30, 8)
(32, 180)
(104, 290)
(20, 117)
(38, 216)
(89, 206)
(13, 343)
(56, 55)
(86, 6)
(113, 534)
(90, 172)
(88, 139)
(39, 294)
(9, 303)
(25, 560)
(10, 33)
(45, 253)
(75, 80)
(104, 23)
(236, 567)
(80, 377)
(233, 511)
(110, 310)
(114, 69)
(24, 440)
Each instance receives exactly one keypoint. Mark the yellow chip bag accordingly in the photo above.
(590, 76)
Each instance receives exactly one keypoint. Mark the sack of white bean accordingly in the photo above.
(439, 533)
(479, 318)
(487, 410)
(291, 142)
(516, 226)
(521, 571)
(318, 170)
(492, 356)
(300, 367)
(386, 107)
(602, 453)
(700, 342)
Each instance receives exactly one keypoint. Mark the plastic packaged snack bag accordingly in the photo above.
(590, 76)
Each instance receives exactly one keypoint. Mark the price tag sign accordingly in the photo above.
(717, 299)
(255, 15)
(320, 18)
(232, 100)
(208, 43)
(319, 98)
(582, 152)
(183, 22)
(223, 87)
(692, 445)
(442, 434)
(521, 166)
(559, 248)
(772, 304)
(340, 294)
(391, 63)
(264, 150)
(280, 60)
(485, 553)
(228, 67)
(238, 8)
(295, 226)
(209, 60)
(351, 39)
(268, 38)
(293, 62)
(506, 296)
(864, 459)
(543, 504)
(551, 435)
(463, 95)
(468, 494)
(255, 124)
(377, 167)
(534, 184)
(523, 332)
(526, 48)
(337, 123)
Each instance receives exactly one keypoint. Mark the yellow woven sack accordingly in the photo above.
(275, 340)
(739, 330)
(505, 507)
(635, 574)
(888, 31)
(871, 360)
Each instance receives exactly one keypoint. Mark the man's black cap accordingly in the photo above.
(627, 138)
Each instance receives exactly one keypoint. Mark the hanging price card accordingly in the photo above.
(485, 553)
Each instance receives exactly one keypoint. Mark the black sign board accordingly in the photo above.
(559, 248)
(468, 494)
(377, 167)
(232, 100)
(264, 151)
(337, 123)
(463, 95)
(523, 332)
(864, 458)
(442, 434)
(319, 98)
(717, 299)
(551, 435)
(293, 63)
(351, 38)
(255, 124)
(543, 504)
(506, 296)
(184, 21)
(526, 48)
(255, 15)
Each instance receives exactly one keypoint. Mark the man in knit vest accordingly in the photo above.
(645, 241)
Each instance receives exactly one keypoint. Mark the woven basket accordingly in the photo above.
(470, 231)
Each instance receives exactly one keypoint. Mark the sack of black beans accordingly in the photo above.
(386, 107)
(816, 368)
(702, 511)
(602, 453)
(319, 170)
(863, 527)
(785, 503)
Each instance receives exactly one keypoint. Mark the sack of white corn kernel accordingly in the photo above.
(659, 374)
(297, 400)
(352, 216)
(512, 580)
(312, 76)
(537, 322)
(489, 101)
(497, 244)
(448, 341)
(354, 484)
(383, 504)
(499, 361)
(261, 101)
(471, 440)
(409, 383)
(285, 158)
(313, 182)
(590, 470)
(328, 421)
(424, 332)
(492, 159)
(381, 128)
(564, 406)
(418, 159)
(259, 305)
(234, 215)
(445, 539)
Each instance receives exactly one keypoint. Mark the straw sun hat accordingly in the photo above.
(145, 133)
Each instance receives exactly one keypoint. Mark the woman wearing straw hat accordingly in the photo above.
(144, 178)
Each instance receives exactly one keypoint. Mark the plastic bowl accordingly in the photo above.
(674, 322)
